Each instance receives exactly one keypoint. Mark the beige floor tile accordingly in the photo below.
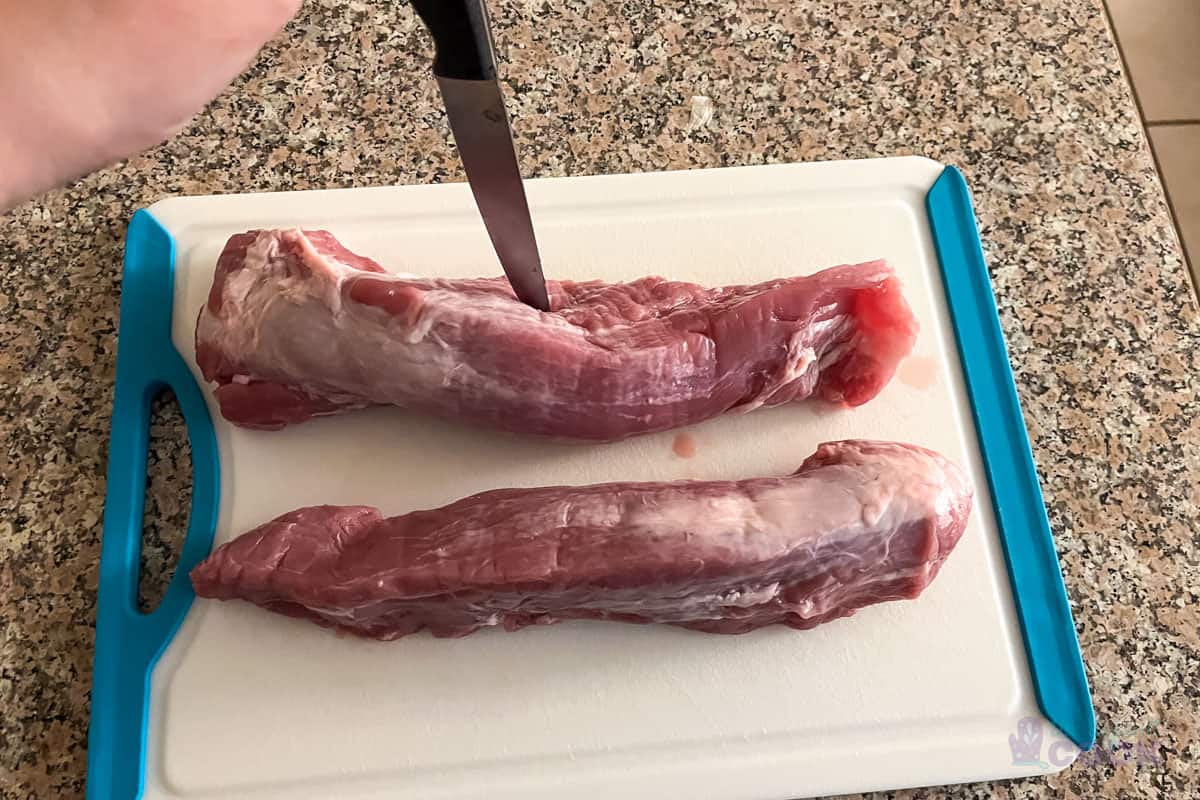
(1161, 43)
(1178, 150)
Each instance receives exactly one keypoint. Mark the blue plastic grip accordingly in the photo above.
(1041, 598)
(128, 642)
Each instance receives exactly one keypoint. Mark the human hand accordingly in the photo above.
(84, 83)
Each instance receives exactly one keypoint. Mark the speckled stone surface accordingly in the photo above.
(1027, 98)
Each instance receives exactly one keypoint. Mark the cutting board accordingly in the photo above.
(207, 699)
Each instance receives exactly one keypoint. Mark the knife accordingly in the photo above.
(465, 68)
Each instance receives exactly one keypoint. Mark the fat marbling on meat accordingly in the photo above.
(858, 523)
(297, 326)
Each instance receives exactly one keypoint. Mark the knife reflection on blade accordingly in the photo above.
(465, 68)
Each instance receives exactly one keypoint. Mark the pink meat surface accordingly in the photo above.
(296, 326)
(859, 523)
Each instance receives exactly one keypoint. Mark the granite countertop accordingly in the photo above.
(1027, 98)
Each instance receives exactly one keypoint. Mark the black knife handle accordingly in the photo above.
(461, 35)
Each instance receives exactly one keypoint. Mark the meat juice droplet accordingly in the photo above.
(919, 372)
(685, 445)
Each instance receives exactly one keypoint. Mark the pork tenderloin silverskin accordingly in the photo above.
(296, 326)
(859, 523)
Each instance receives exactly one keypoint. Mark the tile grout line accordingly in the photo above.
(1170, 123)
(1137, 104)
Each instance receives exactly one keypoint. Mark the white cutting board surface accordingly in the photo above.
(247, 704)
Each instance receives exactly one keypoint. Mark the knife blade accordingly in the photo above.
(465, 69)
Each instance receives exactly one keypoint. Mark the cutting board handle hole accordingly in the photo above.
(168, 487)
